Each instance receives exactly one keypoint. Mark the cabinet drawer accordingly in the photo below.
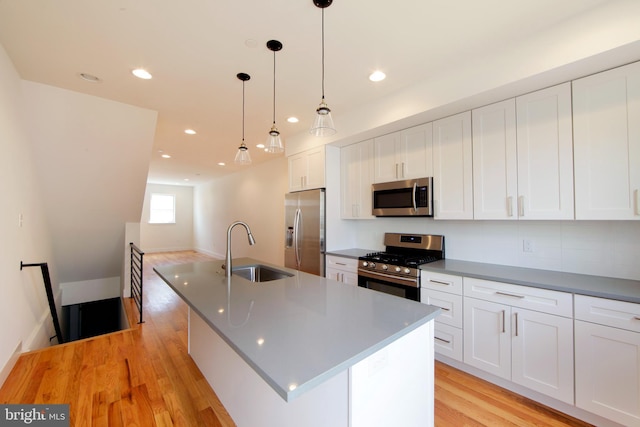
(441, 282)
(349, 265)
(450, 304)
(448, 341)
(618, 314)
(543, 300)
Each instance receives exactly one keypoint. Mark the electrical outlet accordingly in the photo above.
(527, 245)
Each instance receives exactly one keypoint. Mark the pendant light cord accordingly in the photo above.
(274, 87)
(243, 112)
(323, 54)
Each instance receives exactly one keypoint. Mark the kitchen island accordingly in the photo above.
(305, 350)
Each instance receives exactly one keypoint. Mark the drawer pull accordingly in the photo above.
(516, 314)
(443, 308)
(340, 263)
(509, 295)
(636, 318)
(503, 321)
(437, 282)
(443, 340)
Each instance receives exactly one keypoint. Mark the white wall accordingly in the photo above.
(168, 237)
(255, 196)
(601, 248)
(92, 157)
(25, 323)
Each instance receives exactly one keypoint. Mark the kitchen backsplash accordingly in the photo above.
(602, 248)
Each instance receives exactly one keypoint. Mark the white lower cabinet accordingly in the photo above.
(445, 291)
(342, 269)
(607, 337)
(528, 346)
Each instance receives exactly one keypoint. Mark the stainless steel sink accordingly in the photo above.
(260, 273)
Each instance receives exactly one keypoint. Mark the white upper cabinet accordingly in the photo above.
(545, 154)
(495, 176)
(523, 157)
(356, 178)
(452, 167)
(306, 170)
(404, 155)
(606, 126)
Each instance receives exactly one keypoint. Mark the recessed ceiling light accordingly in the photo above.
(166, 156)
(89, 77)
(260, 145)
(221, 164)
(293, 120)
(141, 73)
(186, 179)
(190, 131)
(377, 76)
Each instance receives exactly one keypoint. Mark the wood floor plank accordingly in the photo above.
(144, 376)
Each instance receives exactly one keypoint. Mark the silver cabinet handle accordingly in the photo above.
(443, 340)
(521, 206)
(516, 318)
(509, 295)
(509, 206)
(439, 282)
(503, 321)
(443, 308)
(636, 318)
(413, 193)
(340, 263)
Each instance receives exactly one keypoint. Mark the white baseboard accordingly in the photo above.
(6, 369)
(210, 253)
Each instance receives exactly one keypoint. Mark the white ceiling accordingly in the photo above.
(195, 48)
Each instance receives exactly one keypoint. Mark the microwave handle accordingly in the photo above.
(415, 188)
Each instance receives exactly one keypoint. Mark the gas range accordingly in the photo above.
(397, 269)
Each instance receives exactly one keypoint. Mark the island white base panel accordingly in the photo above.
(393, 386)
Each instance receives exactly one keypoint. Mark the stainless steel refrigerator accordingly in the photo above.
(304, 231)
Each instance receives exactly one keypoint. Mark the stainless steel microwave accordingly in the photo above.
(410, 197)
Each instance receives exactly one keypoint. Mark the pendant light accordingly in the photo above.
(242, 156)
(323, 123)
(274, 141)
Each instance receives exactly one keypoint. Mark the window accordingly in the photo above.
(162, 209)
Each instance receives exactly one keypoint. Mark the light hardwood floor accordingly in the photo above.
(144, 376)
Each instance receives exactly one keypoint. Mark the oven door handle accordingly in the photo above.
(411, 282)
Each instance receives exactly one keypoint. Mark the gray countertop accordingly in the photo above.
(582, 284)
(297, 332)
(351, 253)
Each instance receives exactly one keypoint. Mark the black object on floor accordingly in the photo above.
(89, 319)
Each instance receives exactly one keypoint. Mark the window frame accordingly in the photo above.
(160, 211)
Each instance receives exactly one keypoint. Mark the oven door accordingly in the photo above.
(408, 288)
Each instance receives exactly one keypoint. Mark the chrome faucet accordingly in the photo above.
(227, 262)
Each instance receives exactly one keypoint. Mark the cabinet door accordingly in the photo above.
(350, 278)
(608, 372)
(452, 167)
(315, 168)
(386, 167)
(416, 152)
(606, 126)
(356, 178)
(297, 171)
(542, 353)
(545, 154)
(495, 175)
(333, 274)
(487, 336)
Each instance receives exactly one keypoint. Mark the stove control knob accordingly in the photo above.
(398, 269)
(407, 270)
(385, 267)
(365, 264)
(372, 265)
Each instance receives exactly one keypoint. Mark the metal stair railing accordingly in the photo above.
(136, 277)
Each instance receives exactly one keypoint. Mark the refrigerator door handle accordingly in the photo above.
(296, 232)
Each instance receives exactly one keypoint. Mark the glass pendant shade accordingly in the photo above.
(323, 123)
(242, 156)
(274, 141)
